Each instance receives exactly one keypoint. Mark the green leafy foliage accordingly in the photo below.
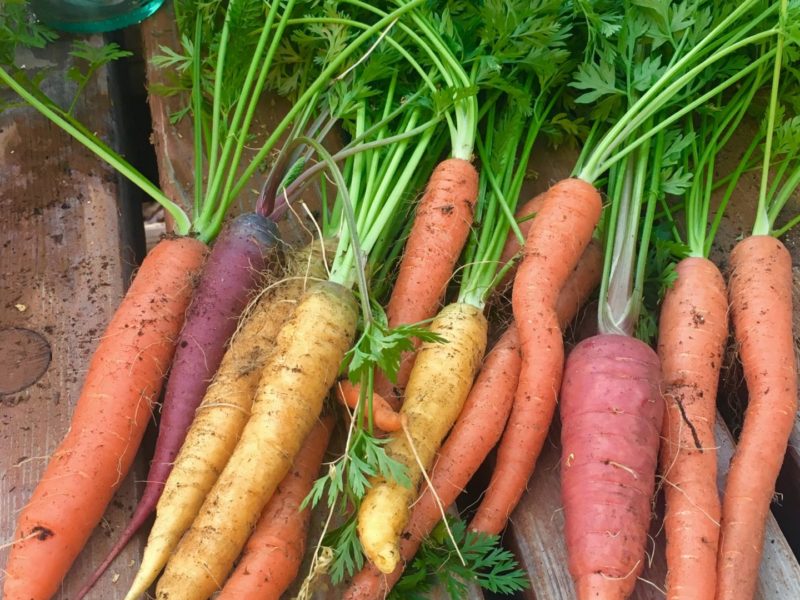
(93, 58)
(381, 347)
(487, 564)
(20, 28)
(348, 556)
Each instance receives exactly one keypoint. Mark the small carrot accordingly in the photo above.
(441, 226)
(272, 556)
(693, 328)
(760, 293)
(558, 236)
(477, 430)
(386, 419)
(124, 378)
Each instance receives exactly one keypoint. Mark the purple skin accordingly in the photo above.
(243, 250)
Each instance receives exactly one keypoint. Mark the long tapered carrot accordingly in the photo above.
(441, 226)
(124, 378)
(760, 294)
(556, 240)
(477, 430)
(693, 329)
(273, 553)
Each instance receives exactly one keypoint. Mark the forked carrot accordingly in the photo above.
(124, 378)
(556, 240)
(760, 293)
(477, 430)
(693, 329)
(441, 226)
(386, 419)
(273, 553)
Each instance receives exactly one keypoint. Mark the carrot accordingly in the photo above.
(558, 236)
(233, 269)
(693, 329)
(611, 412)
(525, 214)
(222, 415)
(441, 226)
(437, 389)
(294, 382)
(477, 430)
(385, 417)
(273, 553)
(760, 293)
(124, 379)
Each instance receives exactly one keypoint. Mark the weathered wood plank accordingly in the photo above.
(65, 263)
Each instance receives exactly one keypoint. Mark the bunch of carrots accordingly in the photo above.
(349, 377)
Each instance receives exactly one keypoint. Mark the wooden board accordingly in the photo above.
(65, 261)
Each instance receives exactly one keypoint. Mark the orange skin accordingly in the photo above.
(273, 554)
(512, 247)
(557, 238)
(125, 377)
(760, 293)
(693, 329)
(477, 430)
(441, 227)
(384, 417)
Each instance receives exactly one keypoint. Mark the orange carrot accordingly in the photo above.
(273, 554)
(760, 293)
(124, 379)
(556, 240)
(477, 430)
(385, 418)
(441, 227)
(512, 247)
(693, 329)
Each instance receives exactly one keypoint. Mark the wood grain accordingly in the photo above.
(64, 265)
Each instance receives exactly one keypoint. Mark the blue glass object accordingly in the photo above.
(93, 16)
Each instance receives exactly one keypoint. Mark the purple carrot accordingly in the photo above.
(233, 270)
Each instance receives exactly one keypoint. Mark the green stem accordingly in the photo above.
(315, 87)
(763, 224)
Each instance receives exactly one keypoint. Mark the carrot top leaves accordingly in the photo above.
(487, 564)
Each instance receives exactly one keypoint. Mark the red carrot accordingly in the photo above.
(611, 413)
(124, 379)
(272, 556)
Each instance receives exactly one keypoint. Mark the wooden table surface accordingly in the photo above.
(70, 236)
(68, 245)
